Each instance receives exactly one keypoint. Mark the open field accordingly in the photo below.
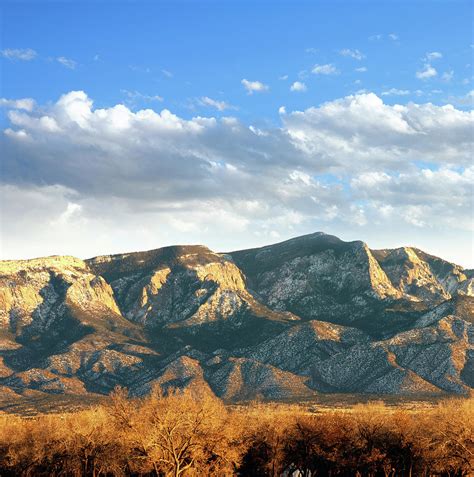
(182, 434)
(42, 403)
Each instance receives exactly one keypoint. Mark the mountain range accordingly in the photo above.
(293, 320)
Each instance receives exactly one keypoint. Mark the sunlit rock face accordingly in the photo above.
(287, 321)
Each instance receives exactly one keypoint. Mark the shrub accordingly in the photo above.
(181, 434)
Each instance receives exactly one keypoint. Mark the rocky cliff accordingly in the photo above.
(310, 315)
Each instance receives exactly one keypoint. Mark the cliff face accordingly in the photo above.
(310, 315)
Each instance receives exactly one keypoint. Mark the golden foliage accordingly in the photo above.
(182, 434)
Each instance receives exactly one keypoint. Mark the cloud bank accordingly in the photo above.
(84, 180)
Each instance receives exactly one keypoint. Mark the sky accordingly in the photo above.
(133, 125)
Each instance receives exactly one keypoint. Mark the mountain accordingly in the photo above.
(307, 316)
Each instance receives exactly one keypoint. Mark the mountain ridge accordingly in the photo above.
(312, 314)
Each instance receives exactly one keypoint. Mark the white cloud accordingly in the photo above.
(362, 69)
(298, 86)
(356, 54)
(416, 196)
(427, 72)
(140, 69)
(464, 100)
(254, 86)
(25, 103)
(134, 96)
(303, 74)
(364, 128)
(447, 76)
(283, 77)
(396, 92)
(213, 103)
(311, 50)
(67, 62)
(153, 178)
(299, 176)
(433, 55)
(71, 212)
(371, 179)
(26, 54)
(378, 37)
(167, 73)
(327, 69)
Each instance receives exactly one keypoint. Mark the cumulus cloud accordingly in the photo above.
(416, 196)
(327, 69)
(374, 134)
(25, 54)
(25, 103)
(254, 86)
(426, 72)
(356, 54)
(150, 178)
(299, 87)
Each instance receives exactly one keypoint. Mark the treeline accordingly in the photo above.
(179, 435)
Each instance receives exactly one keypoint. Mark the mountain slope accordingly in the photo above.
(310, 315)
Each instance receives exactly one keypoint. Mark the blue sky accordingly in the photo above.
(208, 47)
(351, 117)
